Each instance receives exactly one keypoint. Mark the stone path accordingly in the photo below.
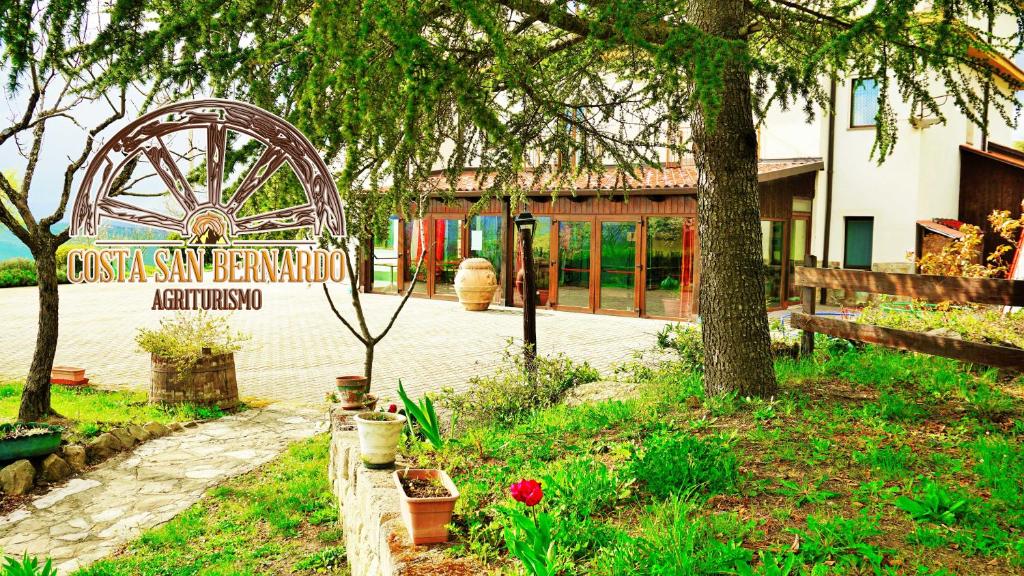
(91, 515)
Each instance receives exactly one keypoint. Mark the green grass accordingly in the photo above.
(867, 462)
(279, 519)
(86, 412)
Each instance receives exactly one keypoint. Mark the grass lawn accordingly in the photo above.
(86, 412)
(868, 462)
(278, 519)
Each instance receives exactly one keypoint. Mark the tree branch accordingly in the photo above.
(69, 172)
(340, 317)
(405, 298)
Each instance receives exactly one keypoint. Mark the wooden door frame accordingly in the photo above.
(403, 251)
(806, 216)
(556, 259)
(783, 264)
(637, 265)
(432, 273)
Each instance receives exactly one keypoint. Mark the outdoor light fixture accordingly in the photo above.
(525, 221)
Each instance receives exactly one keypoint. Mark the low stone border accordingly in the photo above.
(376, 541)
(18, 478)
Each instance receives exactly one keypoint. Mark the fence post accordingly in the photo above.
(807, 299)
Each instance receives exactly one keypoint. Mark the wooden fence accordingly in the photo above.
(928, 288)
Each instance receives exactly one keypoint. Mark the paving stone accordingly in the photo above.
(74, 486)
(298, 347)
(91, 516)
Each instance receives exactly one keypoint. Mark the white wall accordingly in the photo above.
(919, 180)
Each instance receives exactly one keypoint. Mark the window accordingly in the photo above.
(858, 244)
(864, 105)
(677, 145)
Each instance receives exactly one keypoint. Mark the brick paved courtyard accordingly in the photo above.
(298, 346)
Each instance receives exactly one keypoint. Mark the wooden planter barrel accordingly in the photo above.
(211, 382)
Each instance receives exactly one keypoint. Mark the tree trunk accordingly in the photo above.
(737, 356)
(35, 400)
(368, 365)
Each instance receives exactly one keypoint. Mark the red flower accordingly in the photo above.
(527, 491)
(392, 408)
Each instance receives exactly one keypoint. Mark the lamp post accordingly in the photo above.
(526, 223)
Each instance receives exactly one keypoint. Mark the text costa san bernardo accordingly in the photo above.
(220, 265)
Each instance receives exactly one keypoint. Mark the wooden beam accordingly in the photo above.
(931, 288)
(999, 356)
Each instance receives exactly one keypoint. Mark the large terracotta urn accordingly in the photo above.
(475, 283)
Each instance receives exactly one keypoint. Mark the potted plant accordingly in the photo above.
(378, 437)
(27, 440)
(352, 391)
(193, 360)
(427, 501)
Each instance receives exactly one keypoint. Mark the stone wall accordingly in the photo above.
(376, 541)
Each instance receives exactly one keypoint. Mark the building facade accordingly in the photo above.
(598, 249)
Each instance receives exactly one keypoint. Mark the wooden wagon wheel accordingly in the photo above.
(215, 218)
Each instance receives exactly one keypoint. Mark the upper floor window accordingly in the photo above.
(864, 104)
(677, 146)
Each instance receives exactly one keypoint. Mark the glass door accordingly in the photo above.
(414, 244)
(799, 241)
(771, 254)
(447, 254)
(541, 262)
(485, 241)
(574, 265)
(618, 265)
(671, 272)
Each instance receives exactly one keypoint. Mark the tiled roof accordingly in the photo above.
(681, 177)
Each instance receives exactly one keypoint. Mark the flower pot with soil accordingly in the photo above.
(427, 501)
(28, 440)
(378, 438)
(352, 391)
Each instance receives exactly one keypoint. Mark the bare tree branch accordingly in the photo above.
(69, 172)
(339, 315)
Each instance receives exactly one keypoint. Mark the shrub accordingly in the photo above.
(181, 339)
(22, 272)
(509, 394)
(677, 463)
(987, 324)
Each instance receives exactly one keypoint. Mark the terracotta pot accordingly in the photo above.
(378, 438)
(542, 297)
(476, 283)
(427, 518)
(352, 391)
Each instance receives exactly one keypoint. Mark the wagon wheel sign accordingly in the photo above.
(207, 217)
